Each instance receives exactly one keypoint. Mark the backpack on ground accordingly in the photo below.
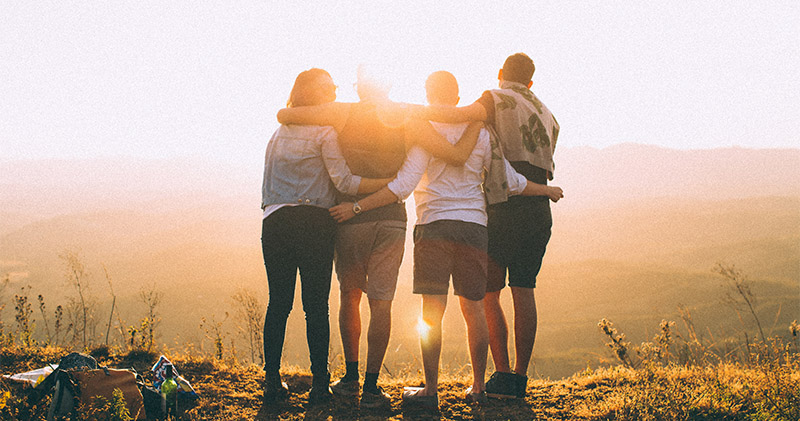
(78, 382)
(94, 385)
(63, 386)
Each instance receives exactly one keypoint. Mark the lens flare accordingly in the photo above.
(423, 328)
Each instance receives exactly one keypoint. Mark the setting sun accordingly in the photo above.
(153, 203)
(423, 329)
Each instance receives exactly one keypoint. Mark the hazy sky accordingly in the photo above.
(188, 78)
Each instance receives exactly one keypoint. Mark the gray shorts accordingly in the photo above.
(368, 257)
(447, 247)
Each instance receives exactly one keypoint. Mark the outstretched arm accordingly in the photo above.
(421, 133)
(330, 114)
(450, 114)
(398, 189)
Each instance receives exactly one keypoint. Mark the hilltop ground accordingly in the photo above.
(729, 391)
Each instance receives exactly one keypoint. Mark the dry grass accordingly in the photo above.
(234, 393)
(770, 391)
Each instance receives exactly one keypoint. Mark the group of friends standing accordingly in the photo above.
(335, 178)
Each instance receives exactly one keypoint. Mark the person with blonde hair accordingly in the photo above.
(373, 134)
(303, 167)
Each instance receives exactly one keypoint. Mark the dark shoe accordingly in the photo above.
(274, 388)
(412, 397)
(320, 390)
(375, 400)
(522, 385)
(502, 385)
(318, 395)
(342, 387)
(476, 397)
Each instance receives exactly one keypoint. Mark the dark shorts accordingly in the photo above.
(519, 231)
(446, 247)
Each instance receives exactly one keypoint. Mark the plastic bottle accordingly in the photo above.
(169, 388)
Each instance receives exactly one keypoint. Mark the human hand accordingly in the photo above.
(342, 212)
(555, 193)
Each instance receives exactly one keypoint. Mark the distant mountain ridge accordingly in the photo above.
(101, 205)
(630, 230)
(588, 175)
(34, 189)
(631, 171)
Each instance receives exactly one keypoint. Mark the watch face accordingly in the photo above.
(356, 208)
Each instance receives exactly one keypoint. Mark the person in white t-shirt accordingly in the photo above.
(519, 227)
(450, 238)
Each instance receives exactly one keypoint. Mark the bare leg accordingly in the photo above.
(380, 327)
(478, 338)
(350, 323)
(498, 331)
(525, 323)
(431, 344)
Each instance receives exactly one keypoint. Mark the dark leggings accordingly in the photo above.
(292, 238)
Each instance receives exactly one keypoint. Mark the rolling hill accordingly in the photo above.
(633, 239)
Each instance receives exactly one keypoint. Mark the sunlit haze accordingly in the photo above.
(199, 78)
(133, 134)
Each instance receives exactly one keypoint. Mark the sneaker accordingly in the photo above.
(320, 390)
(521, 383)
(476, 397)
(375, 400)
(274, 388)
(344, 387)
(412, 397)
(319, 394)
(502, 385)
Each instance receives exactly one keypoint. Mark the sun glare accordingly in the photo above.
(405, 82)
(423, 328)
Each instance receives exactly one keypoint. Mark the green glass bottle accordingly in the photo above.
(169, 388)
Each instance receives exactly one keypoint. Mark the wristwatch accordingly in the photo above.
(356, 208)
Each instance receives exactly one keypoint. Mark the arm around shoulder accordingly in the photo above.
(449, 114)
(421, 133)
(330, 114)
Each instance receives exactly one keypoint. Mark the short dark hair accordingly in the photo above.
(306, 91)
(518, 68)
(441, 87)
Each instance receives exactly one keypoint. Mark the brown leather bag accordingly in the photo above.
(102, 382)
